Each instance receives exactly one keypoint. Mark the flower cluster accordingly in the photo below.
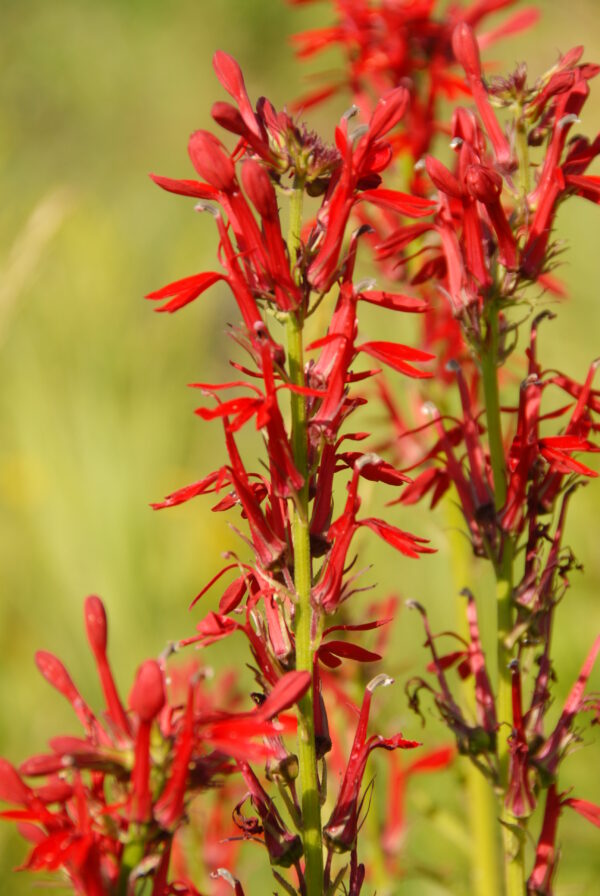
(280, 600)
(386, 45)
(112, 800)
(486, 247)
(299, 570)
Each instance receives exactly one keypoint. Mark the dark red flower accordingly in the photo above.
(133, 776)
(341, 830)
(389, 44)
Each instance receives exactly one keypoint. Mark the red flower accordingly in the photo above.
(550, 753)
(539, 882)
(284, 848)
(341, 829)
(387, 44)
(519, 798)
(149, 762)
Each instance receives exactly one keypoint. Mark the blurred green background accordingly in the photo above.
(95, 418)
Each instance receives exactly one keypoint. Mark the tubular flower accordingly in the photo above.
(474, 740)
(539, 882)
(342, 828)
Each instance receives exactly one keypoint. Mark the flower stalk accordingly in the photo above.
(502, 560)
(481, 800)
(303, 617)
(133, 853)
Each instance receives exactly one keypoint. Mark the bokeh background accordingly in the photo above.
(95, 419)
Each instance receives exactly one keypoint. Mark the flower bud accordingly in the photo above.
(483, 184)
(56, 674)
(147, 696)
(284, 770)
(229, 118)
(443, 179)
(95, 625)
(466, 50)
(259, 188)
(209, 158)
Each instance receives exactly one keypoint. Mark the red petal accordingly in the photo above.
(214, 627)
(210, 483)
(374, 468)
(211, 161)
(419, 487)
(395, 355)
(288, 690)
(329, 652)
(12, 789)
(588, 810)
(433, 761)
(395, 301)
(520, 21)
(466, 50)
(233, 594)
(185, 290)
(404, 203)
(410, 545)
(186, 187)
(230, 75)
(147, 696)
(388, 112)
(443, 179)
(586, 185)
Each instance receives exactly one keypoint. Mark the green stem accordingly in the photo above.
(513, 839)
(482, 805)
(133, 854)
(307, 756)
(489, 374)
(503, 560)
(485, 840)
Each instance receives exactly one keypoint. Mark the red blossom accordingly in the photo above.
(388, 44)
(539, 882)
(157, 757)
(341, 830)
